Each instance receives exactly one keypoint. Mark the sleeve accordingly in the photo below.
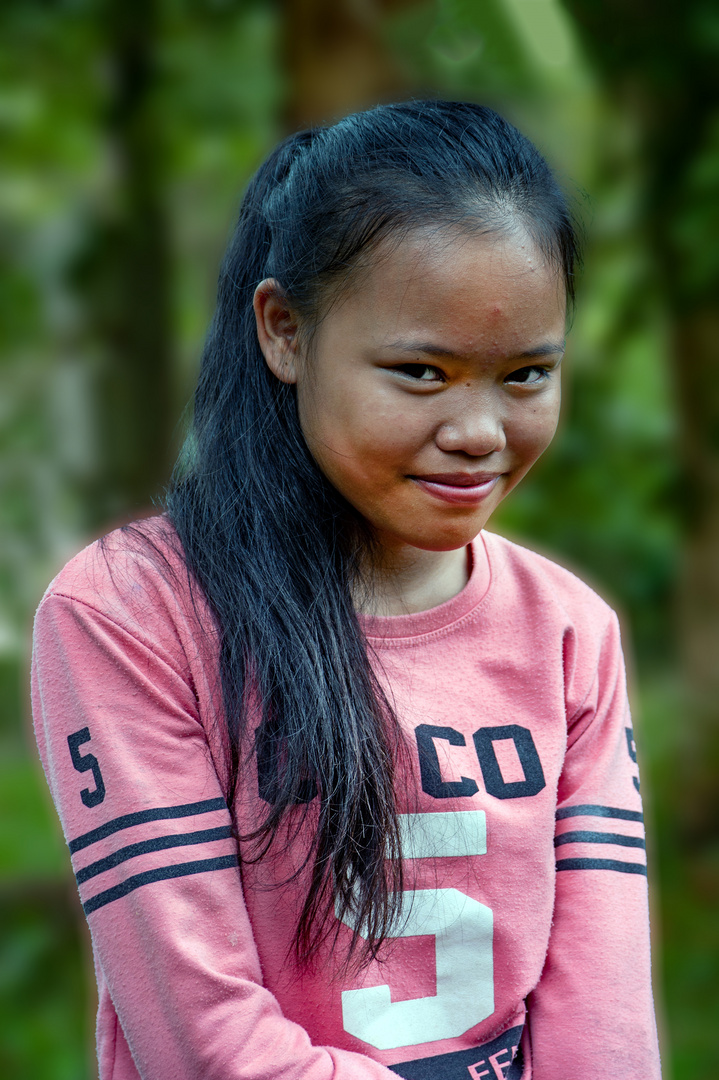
(129, 767)
(592, 1013)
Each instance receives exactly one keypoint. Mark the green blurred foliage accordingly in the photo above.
(216, 102)
(606, 499)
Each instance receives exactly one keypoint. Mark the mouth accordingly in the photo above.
(464, 488)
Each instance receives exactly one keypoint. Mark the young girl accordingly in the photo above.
(348, 783)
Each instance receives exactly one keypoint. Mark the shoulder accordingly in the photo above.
(134, 577)
(117, 569)
(539, 582)
(557, 616)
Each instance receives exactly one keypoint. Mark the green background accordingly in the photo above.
(128, 131)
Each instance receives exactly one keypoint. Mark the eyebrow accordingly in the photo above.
(549, 348)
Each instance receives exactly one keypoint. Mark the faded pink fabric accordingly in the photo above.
(515, 957)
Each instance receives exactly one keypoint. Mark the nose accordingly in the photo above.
(475, 429)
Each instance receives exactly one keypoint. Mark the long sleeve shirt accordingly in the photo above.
(522, 950)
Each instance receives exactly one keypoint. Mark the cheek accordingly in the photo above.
(355, 435)
(535, 430)
(546, 426)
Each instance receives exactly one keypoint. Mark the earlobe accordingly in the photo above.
(276, 330)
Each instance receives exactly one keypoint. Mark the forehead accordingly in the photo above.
(469, 290)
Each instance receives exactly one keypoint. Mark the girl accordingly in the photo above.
(349, 784)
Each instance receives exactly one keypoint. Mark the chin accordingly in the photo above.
(446, 540)
(447, 546)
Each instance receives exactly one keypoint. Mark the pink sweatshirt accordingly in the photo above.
(523, 950)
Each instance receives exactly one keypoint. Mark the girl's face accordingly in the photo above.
(432, 386)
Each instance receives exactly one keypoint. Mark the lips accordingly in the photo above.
(461, 488)
(458, 479)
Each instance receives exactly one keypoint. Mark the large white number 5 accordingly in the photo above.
(462, 928)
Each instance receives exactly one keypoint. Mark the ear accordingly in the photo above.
(277, 330)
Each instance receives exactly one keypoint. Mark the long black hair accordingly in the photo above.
(274, 548)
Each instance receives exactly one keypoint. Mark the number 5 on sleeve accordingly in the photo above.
(85, 762)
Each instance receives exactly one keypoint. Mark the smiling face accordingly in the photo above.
(432, 386)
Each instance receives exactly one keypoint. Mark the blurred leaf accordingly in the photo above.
(31, 844)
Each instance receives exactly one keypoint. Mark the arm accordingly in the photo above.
(592, 1010)
(131, 773)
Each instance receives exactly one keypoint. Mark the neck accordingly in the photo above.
(406, 581)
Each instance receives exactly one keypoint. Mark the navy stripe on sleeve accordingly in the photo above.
(602, 864)
(599, 811)
(591, 836)
(162, 873)
(157, 813)
(584, 836)
(157, 843)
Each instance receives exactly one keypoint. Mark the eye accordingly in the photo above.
(420, 372)
(529, 376)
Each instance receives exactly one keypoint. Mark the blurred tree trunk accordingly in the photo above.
(126, 277)
(336, 60)
(660, 61)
